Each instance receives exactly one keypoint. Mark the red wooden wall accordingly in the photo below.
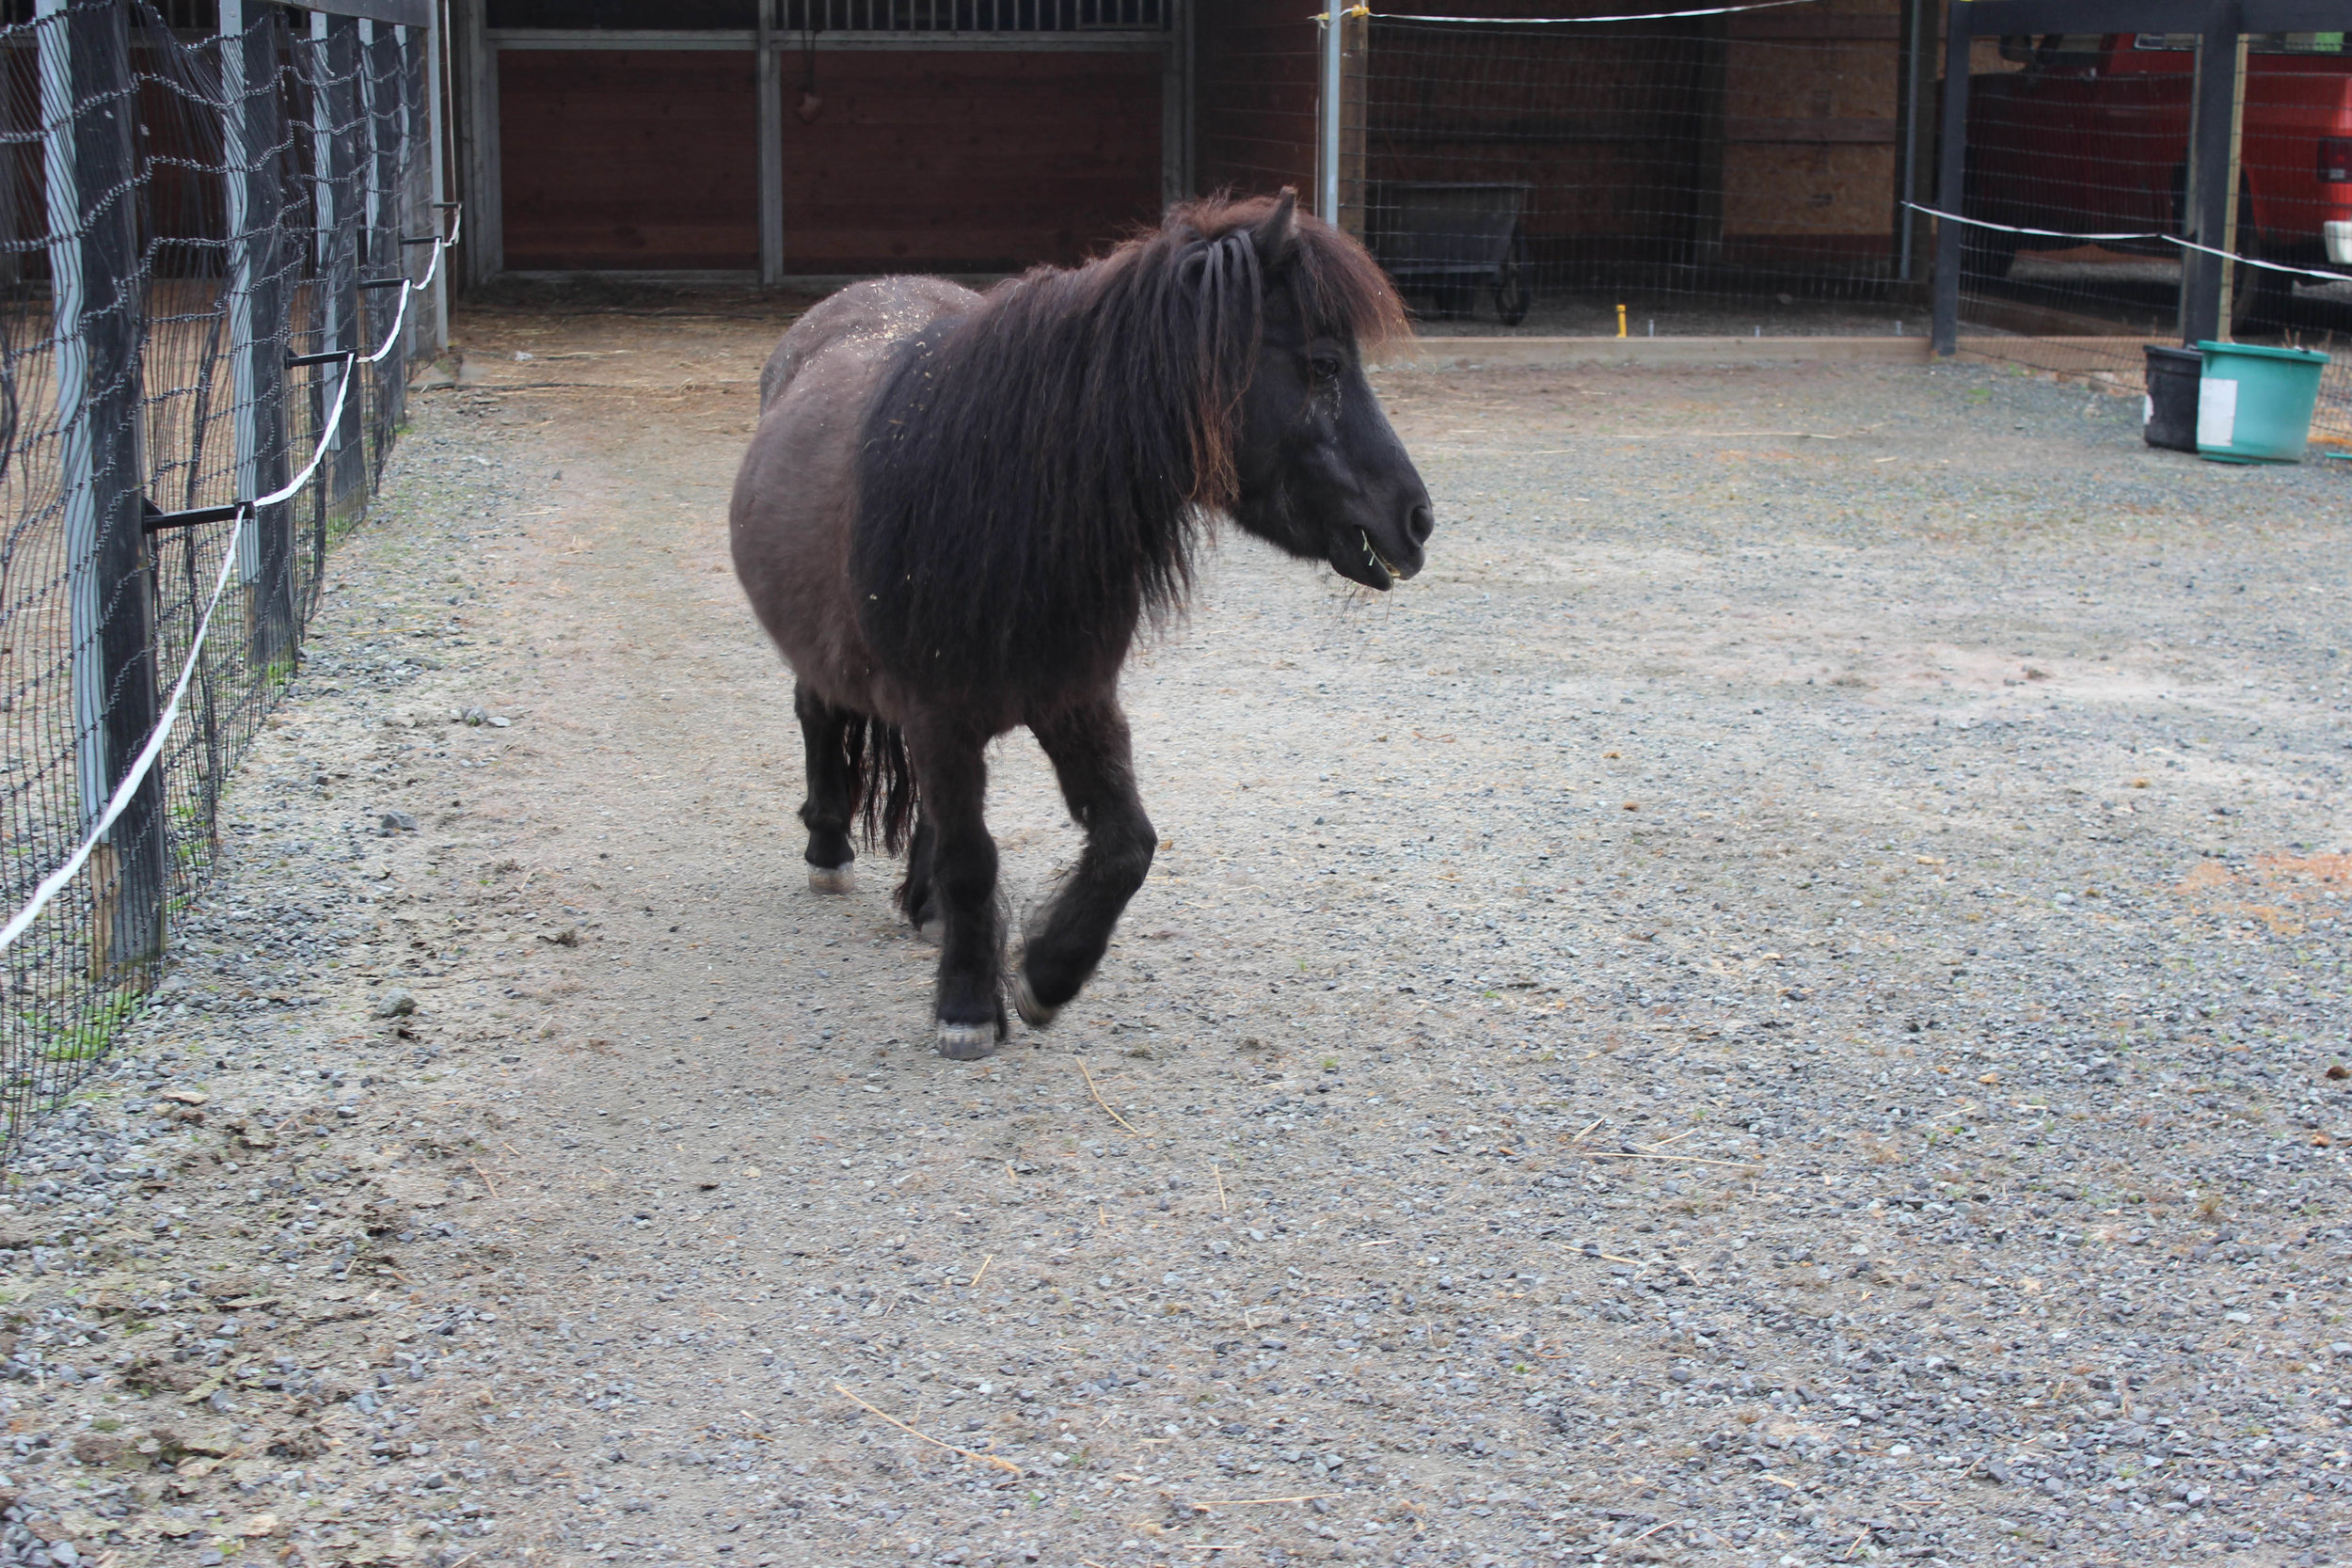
(616, 160)
(974, 160)
(1254, 97)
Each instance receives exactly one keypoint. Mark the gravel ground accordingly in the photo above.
(1783, 1004)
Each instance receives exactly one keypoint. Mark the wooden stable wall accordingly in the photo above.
(976, 161)
(628, 159)
(1811, 134)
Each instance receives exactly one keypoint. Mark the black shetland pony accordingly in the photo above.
(959, 508)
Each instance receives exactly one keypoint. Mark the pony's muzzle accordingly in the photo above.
(1422, 524)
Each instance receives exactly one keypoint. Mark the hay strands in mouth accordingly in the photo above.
(1371, 554)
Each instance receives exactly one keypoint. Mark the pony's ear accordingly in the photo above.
(1275, 237)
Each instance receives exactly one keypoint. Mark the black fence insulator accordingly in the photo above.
(332, 356)
(160, 521)
(382, 282)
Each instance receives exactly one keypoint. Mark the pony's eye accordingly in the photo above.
(1326, 367)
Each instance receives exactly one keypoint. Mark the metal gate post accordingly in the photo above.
(88, 112)
(253, 139)
(1327, 122)
(768, 82)
(335, 131)
(1951, 180)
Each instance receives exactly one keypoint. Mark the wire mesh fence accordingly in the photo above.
(2087, 138)
(203, 232)
(1688, 169)
(1521, 166)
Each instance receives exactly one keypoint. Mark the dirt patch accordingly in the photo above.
(1674, 1037)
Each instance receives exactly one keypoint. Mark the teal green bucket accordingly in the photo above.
(2254, 403)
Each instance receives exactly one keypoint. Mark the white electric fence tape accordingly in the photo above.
(144, 763)
(2169, 239)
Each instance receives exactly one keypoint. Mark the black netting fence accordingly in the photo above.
(2087, 138)
(214, 241)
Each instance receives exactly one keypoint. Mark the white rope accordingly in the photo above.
(1565, 21)
(2169, 239)
(2266, 266)
(2013, 229)
(56, 881)
(144, 763)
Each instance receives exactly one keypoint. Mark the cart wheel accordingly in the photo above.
(1512, 291)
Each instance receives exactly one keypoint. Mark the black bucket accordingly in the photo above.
(2172, 377)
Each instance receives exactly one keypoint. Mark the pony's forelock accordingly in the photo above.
(1340, 285)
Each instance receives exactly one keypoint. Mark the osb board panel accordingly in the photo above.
(1829, 19)
(1820, 79)
(1253, 96)
(969, 162)
(1776, 188)
(620, 160)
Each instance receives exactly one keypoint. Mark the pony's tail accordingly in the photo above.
(881, 782)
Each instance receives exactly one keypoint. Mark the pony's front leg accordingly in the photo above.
(951, 772)
(1093, 757)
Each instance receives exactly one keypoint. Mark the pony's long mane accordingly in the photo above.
(1034, 476)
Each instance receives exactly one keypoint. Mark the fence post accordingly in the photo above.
(87, 108)
(334, 129)
(253, 137)
(1951, 181)
(429, 51)
(384, 102)
(768, 82)
(2210, 190)
(1331, 89)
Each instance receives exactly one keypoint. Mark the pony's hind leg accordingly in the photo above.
(951, 772)
(1092, 756)
(830, 739)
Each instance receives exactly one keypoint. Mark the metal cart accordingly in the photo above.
(1450, 239)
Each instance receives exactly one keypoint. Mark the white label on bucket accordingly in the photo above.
(2216, 412)
(2147, 410)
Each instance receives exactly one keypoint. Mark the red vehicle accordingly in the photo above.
(2090, 134)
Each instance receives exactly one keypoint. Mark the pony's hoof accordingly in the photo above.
(1035, 1014)
(966, 1042)
(832, 878)
(929, 930)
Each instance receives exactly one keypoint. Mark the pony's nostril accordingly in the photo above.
(1422, 524)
